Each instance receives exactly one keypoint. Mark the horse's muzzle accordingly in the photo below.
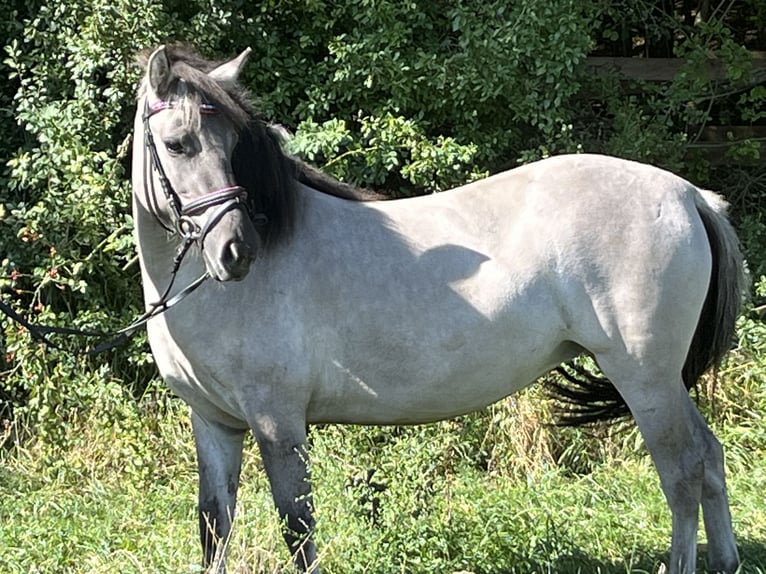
(235, 261)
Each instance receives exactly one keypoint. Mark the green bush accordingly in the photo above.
(411, 97)
(68, 257)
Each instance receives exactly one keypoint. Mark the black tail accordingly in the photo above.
(588, 398)
(715, 333)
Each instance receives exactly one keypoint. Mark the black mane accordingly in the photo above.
(260, 164)
(261, 167)
(319, 180)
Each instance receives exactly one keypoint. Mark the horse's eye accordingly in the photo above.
(175, 147)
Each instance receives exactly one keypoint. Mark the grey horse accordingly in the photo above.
(326, 309)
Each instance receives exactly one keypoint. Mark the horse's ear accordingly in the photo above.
(158, 72)
(229, 72)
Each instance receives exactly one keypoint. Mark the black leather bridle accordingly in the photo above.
(223, 200)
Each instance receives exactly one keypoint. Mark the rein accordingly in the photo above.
(224, 200)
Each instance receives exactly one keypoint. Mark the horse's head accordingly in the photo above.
(191, 124)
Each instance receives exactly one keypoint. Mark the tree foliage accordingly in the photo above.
(411, 97)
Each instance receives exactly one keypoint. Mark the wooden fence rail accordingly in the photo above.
(714, 140)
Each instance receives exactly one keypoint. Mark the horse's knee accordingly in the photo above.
(297, 533)
(289, 475)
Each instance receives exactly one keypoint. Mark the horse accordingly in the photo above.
(325, 305)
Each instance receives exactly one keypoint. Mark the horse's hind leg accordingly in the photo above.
(662, 409)
(219, 458)
(722, 547)
(689, 461)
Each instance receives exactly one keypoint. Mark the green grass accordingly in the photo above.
(120, 498)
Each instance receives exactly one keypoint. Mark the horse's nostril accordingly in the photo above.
(242, 251)
(237, 257)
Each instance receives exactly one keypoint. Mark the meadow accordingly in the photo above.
(501, 491)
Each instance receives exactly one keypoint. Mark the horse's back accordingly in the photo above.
(570, 214)
(582, 187)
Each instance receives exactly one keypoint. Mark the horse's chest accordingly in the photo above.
(194, 381)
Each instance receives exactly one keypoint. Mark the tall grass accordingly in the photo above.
(500, 491)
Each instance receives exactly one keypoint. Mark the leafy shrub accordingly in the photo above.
(413, 97)
(67, 233)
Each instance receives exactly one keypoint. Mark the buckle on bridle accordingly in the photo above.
(259, 219)
(187, 228)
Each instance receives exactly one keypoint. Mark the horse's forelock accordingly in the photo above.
(229, 101)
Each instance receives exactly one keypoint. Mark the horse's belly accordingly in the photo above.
(418, 391)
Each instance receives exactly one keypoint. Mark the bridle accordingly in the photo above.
(226, 198)
(222, 200)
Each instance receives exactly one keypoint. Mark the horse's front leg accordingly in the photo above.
(219, 458)
(285, 459)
